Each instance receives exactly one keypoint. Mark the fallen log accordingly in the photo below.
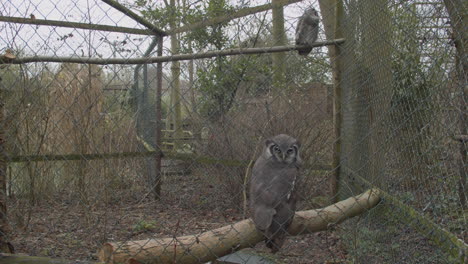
(215, 243)
(22, 259)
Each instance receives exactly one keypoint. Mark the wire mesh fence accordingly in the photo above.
(108, 134)
(403, 107)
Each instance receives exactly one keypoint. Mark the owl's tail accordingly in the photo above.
(275, 243)
(304, 52)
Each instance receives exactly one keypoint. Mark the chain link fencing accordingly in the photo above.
(123, 148)
(404, 109)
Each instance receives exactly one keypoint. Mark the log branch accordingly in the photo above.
(22, 259)
(176, 57)
(225, 240)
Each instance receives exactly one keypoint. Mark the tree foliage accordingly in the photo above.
(220, 80)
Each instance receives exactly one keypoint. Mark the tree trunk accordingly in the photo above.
(225, 240)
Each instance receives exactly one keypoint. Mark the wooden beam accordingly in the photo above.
(150, 152)
(204, 23)
(238, 14)
(69, 157)
(177, 57)
(135, 17)
(57, 23)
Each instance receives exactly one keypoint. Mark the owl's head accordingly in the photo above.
(311, 12)
(284, 149)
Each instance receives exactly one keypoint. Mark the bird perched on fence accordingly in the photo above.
(7, 57)
(307, 29)
(273, 188)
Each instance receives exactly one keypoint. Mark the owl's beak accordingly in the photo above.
(284, 156)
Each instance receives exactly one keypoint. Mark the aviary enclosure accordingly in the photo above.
(128, 129)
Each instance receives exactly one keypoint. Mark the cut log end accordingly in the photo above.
(106, 253)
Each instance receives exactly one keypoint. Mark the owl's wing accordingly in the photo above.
(263, 217)
(300, 31)
(303, 35)
(312, 34)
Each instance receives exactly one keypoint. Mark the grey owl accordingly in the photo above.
(307, 29)
(273, 188)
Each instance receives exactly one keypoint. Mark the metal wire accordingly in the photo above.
(100, 143)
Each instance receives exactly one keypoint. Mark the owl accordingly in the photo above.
(273, 188)
(307, 29)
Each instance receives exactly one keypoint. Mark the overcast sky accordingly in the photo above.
(45, 40)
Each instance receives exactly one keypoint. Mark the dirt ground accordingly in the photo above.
(189, 205)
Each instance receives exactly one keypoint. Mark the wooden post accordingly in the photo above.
(5, 246)
(159, 76)
(337, 99)
(373, 130)
(279, 39)
(146, 132)
(463, 119)
(191, 69)
(332, 16)
(459, 20)
(176, 111)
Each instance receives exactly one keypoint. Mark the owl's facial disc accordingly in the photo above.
(276, 152)
(276, 149)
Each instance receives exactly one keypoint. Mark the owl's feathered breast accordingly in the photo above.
(306, 34)
(307, 30)
(272, 182)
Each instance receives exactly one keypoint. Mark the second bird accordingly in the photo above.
(307, 29)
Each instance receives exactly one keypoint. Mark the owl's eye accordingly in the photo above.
(290, 151)
(276, 149)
